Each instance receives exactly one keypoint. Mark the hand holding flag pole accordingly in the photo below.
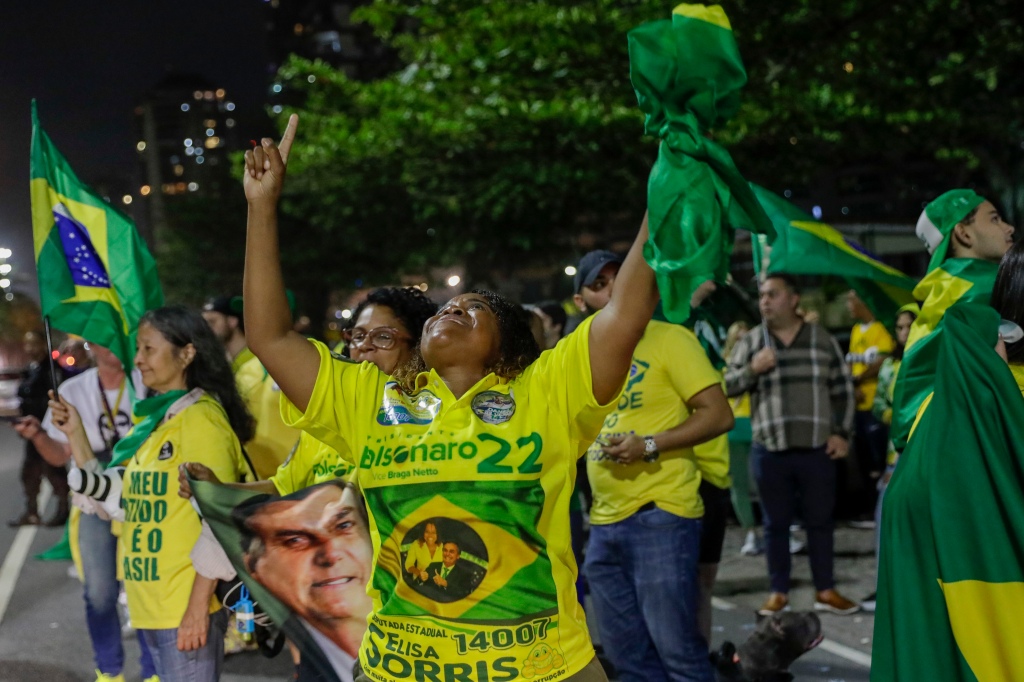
(50, 357)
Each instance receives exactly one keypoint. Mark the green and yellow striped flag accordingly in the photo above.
(687, 74)
(96, 277)
(957, 280)
(950, 577)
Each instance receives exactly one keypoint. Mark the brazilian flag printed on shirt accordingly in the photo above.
(503, 553)
(957, 280)
(687, 74)
(950, 575)
(805, 246)
(96, 277)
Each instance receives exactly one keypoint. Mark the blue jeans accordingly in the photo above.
(787, 479)
(642, 574)
(100, 590)
(202, 665)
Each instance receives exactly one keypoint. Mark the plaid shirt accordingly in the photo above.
(805, 399)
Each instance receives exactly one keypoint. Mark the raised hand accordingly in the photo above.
(265, 166)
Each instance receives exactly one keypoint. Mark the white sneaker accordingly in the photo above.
(796, 545)
(752, 546)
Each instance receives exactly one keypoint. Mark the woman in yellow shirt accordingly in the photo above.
(197, 415)
(479, 435)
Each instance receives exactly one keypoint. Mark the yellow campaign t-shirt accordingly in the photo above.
(310, 463)
(274, 439)
(493, 471)
(669, 367)
(160, 528)
(868, 342)
(712, 460)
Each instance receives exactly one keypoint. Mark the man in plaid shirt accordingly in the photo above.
(802, 404)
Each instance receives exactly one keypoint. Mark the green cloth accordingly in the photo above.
(687, 74)
(60, 551)
(150, 412)
(805, 246)
(966, 280)
(951, 579)
(96, 277)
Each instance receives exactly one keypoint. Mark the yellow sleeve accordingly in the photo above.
(206, 437)
(688, 366)
(296, 472)
(345, 394)
(563, 375)
(410, 559)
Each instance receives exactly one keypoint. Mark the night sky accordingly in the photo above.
(89, 64)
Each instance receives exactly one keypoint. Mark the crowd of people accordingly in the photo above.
(421, 491)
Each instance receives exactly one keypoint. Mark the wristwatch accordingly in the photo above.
(651, 453)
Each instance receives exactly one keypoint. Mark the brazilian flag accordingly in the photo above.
(951, 574)
(965, 280)
(687, 74)
(495, 524)
(805, 246)
(96, 277)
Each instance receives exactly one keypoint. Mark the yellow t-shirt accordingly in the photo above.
(669, 368)
(311, 462)
(160, 528)
(273, 440)
(493, 471)
(713, 461)
(868, 343)
(421, 557)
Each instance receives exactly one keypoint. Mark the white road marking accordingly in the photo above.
(18, 552)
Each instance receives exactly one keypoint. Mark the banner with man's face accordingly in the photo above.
(306, 559)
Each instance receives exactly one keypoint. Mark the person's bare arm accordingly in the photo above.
(710, 417)
(201, 472)
(616, 331)
(54, 452)
(287, 355)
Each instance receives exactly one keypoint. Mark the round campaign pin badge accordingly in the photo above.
(493, 407)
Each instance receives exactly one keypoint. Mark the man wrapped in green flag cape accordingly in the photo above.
(305, 560)
(951, 579)
(687, 74)
(805, 246)
(958, 272)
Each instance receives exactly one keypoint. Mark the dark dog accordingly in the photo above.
(767, 654)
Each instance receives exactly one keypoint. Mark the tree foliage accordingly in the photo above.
(512, 127)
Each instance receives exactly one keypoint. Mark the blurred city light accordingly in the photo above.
(454, 280)
(570, 270)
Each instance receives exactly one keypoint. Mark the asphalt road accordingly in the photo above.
(43, 636)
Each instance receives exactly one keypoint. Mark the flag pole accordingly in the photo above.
(49, 356)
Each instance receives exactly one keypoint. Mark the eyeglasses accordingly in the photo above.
(382, 338)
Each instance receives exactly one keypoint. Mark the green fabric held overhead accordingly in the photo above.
(687, 74)
(149, 413)
(96, 276)
(958, 280)
(805, 246)
(950, 574)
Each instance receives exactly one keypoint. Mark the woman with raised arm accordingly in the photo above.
(479, 433)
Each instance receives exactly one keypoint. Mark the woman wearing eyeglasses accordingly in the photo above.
(386, 327)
